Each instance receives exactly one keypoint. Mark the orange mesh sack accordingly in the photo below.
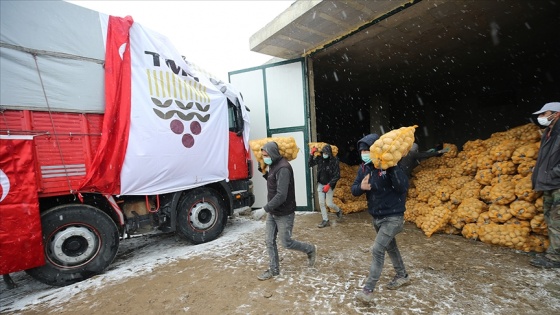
(388, 150)
(286, 145)
(320, 145)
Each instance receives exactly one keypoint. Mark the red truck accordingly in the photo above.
(107, 132)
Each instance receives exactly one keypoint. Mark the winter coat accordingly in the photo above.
(328, 170)
(389, 188)
(546, 173)
(280, 183)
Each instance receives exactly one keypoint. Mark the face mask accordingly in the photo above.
(366, 158)
(543, 121)
(267, 160)
(325, 156)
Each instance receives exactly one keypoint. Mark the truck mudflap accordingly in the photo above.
(20, 224)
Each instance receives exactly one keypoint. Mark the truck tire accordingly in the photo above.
(201, 215)
(79, 241)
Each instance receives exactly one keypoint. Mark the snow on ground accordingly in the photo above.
(170, 248)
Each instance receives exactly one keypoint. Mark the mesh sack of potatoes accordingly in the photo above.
(527, 132)
(484, 161)
(538, 225)
(320, 145)
(536, 243)
(468, 167)
(522, 209)
(526, 167)
(525, 153)
(483, 219)
(518, 222)
(499, 213)
(468, 212)
(286, 145)
(504, 168)
(470, 231)
(436, 220)
(504, 235)
(524, 190)
(484, 176)
(503, 151)
(503, 193)
(388, 150)
(467, 190)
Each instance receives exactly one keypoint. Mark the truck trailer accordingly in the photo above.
(107, 132)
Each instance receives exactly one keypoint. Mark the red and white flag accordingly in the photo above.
(21, 241)
(165, 125)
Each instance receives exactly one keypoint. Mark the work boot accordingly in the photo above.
(323, 224)
(365, 296)
(267, 275)
(339, 214)
(312, 256)
(544, 262)
(398, 281)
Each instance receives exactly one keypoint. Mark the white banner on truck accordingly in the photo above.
(166, 125)
(178, 125)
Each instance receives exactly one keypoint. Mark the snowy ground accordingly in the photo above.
(164, 274)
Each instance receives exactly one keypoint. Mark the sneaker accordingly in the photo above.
(365, 296)
(398, 281)
(339, 214)
(544, 262)
(267, 275)
(312, 256)
(323, 224)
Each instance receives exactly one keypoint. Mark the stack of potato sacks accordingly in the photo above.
(483, 192)
(286, 145)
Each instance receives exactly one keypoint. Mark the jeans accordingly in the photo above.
(329, 196)
(551, 209)
(387, 228)
(281, 225)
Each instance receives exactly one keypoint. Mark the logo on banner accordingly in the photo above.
(178, 87)
(5, 185)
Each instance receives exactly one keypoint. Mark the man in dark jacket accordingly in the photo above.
(328, 173)
(546, 178)
(280, 209)
(386, 196)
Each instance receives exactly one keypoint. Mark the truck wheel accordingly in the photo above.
(201, 215)
(80, 241)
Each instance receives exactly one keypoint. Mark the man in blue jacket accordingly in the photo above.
(386, 196)
(546, 178)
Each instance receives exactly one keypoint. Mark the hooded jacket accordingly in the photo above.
(546, 173)
(387, 196)
(280, 183)
(328, 170)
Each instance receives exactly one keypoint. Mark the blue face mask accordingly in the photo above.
(267, 160)
(366, 158)
(325, 156)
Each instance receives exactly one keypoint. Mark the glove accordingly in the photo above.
(313, 150)
(258, 214)
(326, 188)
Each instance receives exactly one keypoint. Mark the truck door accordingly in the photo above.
(277, 97)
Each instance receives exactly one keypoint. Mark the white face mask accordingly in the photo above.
(543, 121)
